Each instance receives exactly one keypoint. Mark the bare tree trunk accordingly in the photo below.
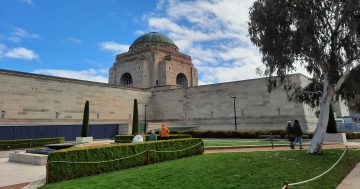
(319, 135)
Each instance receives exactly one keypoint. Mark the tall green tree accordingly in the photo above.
(85, 124)
(135, 121)
(322, 36)
(331, 127)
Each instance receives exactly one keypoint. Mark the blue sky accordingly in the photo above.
(80, 38)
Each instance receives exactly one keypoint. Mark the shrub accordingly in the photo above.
(128, 138)
(58, 171)
(236, 134)
(135, 121)
(353, 135)
(29, 143)
(331, 127)
(85, 125)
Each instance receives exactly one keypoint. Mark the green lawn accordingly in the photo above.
(226, 170)
(239, 143)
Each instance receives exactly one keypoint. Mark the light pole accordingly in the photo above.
(145, 119)
(234, 97)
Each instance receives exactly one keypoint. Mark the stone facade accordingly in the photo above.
(158, 75)
(153, 65)
(210, 107)
(31, 99)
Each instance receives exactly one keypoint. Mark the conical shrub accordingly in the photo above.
(135, 121)
(85, 125)
(331, 127)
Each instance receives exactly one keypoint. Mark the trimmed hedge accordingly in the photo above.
(58, 171)
(352, 135)
(29, 143)
(129, 138)
(248, 134)
(236, 134)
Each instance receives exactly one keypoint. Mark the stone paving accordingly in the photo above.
(352, 180)
(16, 173)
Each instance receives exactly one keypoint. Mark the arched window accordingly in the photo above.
(181, 80)
(126, 80)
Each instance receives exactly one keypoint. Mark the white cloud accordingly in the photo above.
(213, 33)
(19, 34)
(27, 1)
(88, 75)
(74, 40)
(113, 46)
(21, 53)
(2, 50)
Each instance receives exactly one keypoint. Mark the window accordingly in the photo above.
(181, 80)
(126, 80)
(157, 82)
(242, 112)
(97, 115)
(2, 114)
(57, 115)
(278, 111)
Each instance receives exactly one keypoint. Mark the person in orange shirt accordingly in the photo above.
(164, 132)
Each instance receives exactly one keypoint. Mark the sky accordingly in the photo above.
(80, 38)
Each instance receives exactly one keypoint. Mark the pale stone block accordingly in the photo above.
(335, 137)
(84, 139)
(28, 158)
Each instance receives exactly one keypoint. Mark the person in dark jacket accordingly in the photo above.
(290, 131)
(298, 133)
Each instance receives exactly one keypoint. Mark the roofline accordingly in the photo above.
(63, 79)
(300, 74)
(262, 78)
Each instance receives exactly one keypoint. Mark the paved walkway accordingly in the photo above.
(352, 180)
(16, 173)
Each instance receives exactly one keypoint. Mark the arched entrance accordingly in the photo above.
(181, 80)
(126, 80)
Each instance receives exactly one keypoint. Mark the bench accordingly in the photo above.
(270, 136)
(303, 136)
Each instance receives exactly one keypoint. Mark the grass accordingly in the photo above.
(239, 143)
(226, 170)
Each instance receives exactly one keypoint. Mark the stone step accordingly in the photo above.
(28, 158)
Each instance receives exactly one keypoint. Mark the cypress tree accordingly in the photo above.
(135, 121)
(331, 127)
(85, 125)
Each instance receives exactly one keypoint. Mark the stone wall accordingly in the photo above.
(211, 107)
(153, 66)
(31, 99)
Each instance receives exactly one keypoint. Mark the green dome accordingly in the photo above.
(153, 37)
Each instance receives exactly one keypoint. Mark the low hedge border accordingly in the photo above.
(236, 134)
(352, 135)
(29, 143)
(129, 138)
(58, 171)
(249, 134)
